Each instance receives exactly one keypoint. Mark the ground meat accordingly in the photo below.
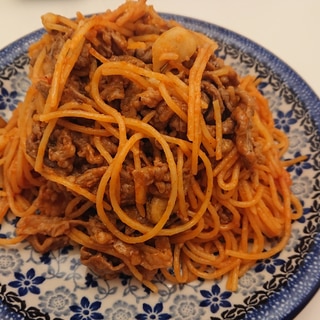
(105, 266)
(62, 149)
(112, 88)
(178, 127)
(98, 232)
(162, 117)
(40, 224)
(150, 97)
(130, 59)
(90, 178)
(150, 258)
(119, 43)
(225, 215)
(154, 180)
(111, 42)
(237, 112)
(45, 244)
(131, 102)
(33, 140)
(145, 54)
(157, 256)
(147, 27)
(214, 63)
(228, 126)
(43, 86)
(243, 135)
(214, 94)
(82, 65)
(85, 149)
(53, 199)
(110, 145)
(229, 97)
(73, 91)
(127, 188)
(136, 100)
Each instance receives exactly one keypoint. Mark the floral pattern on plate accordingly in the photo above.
(56, 286)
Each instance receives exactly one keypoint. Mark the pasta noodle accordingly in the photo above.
(152, 155)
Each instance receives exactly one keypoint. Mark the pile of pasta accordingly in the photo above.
(137, 143)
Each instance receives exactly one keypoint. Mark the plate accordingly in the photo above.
(56, 286)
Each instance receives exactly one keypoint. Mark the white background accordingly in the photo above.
(290, 29)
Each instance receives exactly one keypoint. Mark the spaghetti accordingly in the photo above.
(138, 143)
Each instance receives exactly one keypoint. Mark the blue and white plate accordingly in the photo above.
(56, 286)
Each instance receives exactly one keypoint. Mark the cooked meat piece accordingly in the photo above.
(111, 43)
(85, 149)
(119, 43)
(90, 178)
(162, 116)
(145, 54)
(213, 93)
(82, 65)
(113, 261)
(228, 126)
(159, 256)
(154, 180)
(127, 190)
(178, 126)
(225, 215)
(150, 28)
(43, 86)
(33, 140)
(62, 149)
(53, 199)
(112, 88)
(103, 265)
(110, 145)
(131, 103)
(45, 244)
(150, 97)
(229, 97)
(98, 232)
(243, 137)
(39, 224)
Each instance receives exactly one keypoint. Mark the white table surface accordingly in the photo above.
(288, 28)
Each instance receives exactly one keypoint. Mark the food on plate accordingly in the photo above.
(138, 143)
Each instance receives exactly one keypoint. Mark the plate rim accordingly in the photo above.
(287, 73)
